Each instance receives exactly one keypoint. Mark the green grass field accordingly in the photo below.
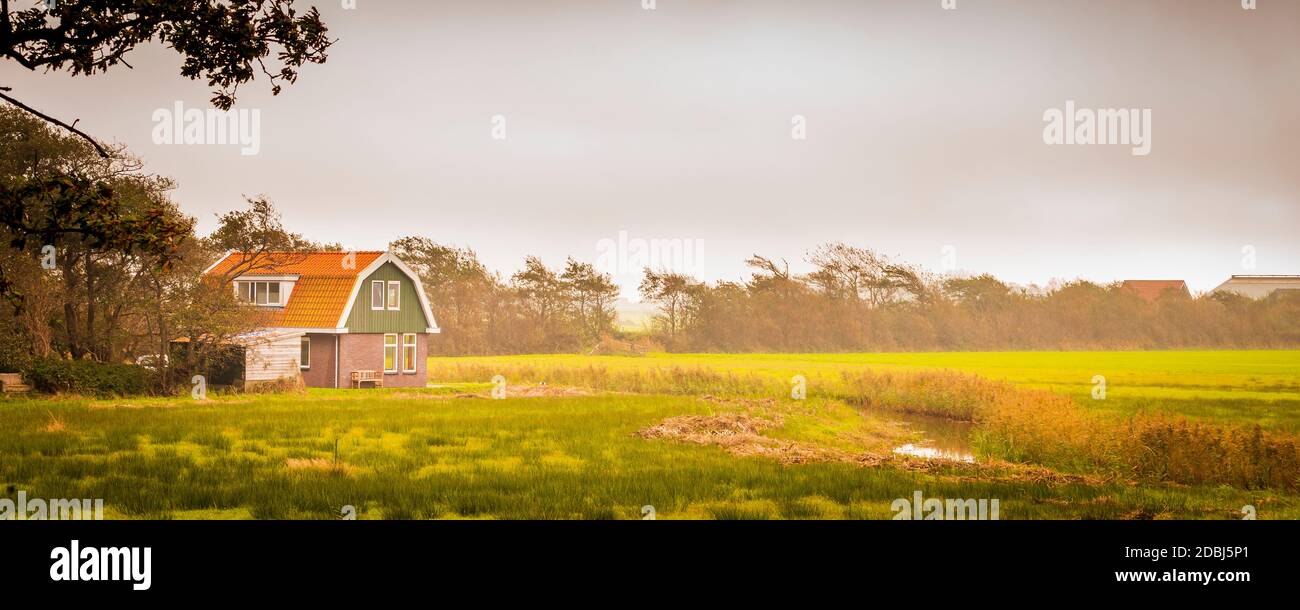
(574, 452)
(1242, 386)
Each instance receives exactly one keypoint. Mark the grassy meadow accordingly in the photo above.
(694, 436)
(1238, 386)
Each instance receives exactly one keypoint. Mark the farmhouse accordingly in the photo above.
(1259, 286)
(1152, 290)
(337, 319)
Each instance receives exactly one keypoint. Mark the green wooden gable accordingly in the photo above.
(409, 319)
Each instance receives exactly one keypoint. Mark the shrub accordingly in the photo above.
(13, 355)
(939, 393)
(283, 385)
(53, 375)
(1192, 452)
(1038, 426)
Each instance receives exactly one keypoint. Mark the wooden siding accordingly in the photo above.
(273, 359)
(410, 319)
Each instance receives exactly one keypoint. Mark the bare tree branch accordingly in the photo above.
(98, 147)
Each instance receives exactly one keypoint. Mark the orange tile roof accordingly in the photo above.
(329, 264)
(319, 295)
(1151, 290)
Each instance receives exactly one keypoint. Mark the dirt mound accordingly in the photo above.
(741, 434)
(710, 429)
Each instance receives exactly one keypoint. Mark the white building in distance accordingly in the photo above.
(1259, 286)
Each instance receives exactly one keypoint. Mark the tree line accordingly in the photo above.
(859, 300)
(854, 299)
(100, 264)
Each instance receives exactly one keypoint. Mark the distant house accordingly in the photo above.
(338, 319)
(1259, 286)
(1151, 290)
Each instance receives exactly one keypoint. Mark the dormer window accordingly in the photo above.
(260, 293)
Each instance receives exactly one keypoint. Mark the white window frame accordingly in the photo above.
(304, 365)
(396, 304)
(383, 293)
(410, 366)
(252, 288)
(396, 353)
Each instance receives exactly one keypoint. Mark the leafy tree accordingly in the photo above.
(97, 219)
(466, 297)
(257, 237)
(225, 42)
(591, 295)
(30, 325)
(542, 300)
(982, 292)
(675, 293)
(860, 274)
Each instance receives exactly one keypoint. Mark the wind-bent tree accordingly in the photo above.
(591, 297)
(226, 42)
(674, 293)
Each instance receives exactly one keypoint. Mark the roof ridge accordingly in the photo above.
(334, 263)
(306, 252)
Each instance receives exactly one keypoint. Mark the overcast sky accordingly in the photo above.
(924, 129)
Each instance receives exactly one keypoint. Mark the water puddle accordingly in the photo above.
(944, 439)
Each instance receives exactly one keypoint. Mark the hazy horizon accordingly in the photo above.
(924, 131)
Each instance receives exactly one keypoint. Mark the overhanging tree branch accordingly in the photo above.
(45, 117)
(224, 42)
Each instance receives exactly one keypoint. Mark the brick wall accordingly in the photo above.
(365, 352)
(321, 373)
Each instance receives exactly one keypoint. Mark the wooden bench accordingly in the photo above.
(12, 383)
(373, 377)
